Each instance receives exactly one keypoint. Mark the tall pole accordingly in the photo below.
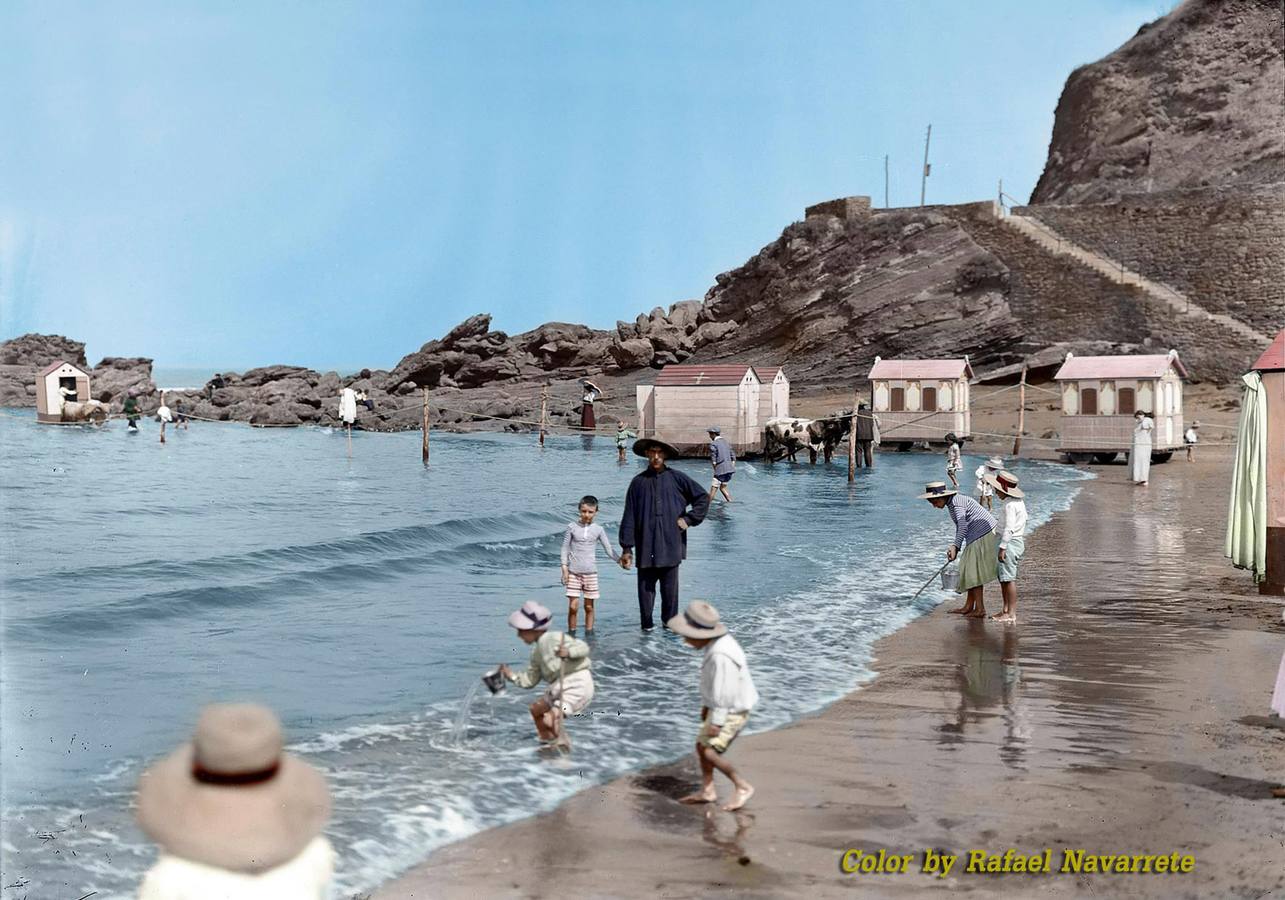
(852, 440)
(1021, 413)
(886, 204)
(350, 440)
(544, 411)
(923, 181)
(424, 449)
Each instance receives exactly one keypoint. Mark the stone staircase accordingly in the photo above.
(1181, 304)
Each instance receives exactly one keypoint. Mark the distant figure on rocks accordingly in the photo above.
(867, 425)
(623, 437)
(655, 521)
(591, 394)
(975, 535)
(723, 458)
(1191, 439)
(1140, 452)
(234, 815)
(727, 696)
(214, 384)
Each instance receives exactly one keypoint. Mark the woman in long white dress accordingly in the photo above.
(1140, 454)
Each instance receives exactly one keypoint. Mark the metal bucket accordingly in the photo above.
(494, 681)
(950, 580)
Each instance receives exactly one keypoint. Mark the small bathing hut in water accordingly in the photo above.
(1101, 393)
(921, 399)
(57, 384)
(687, 399)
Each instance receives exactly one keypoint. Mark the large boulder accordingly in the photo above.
(712, 331)
(479, 373)
(632, 354)
(683, 314)
(41, 350)
(115, 377)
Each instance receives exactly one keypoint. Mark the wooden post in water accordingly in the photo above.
(424, 449)
(162, 431)
(349, 440)
(852, 441)
(1021, 413)
(544, 412)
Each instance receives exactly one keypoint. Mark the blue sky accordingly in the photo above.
(332, 184)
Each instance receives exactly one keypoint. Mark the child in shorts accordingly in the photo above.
(558, 659)
(1012, 543)
(580, 562)
(954, 464)
(728, 695)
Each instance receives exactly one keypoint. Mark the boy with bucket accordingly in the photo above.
(728, 695)
(975, 535)
(561, 661)
(1012, 542)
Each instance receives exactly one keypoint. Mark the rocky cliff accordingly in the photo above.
(1193, 99)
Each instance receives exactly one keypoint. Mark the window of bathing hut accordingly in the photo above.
(930, 399)
(1089, 401)
(898, 399)
(1127, 403)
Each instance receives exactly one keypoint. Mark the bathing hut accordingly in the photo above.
(921, 399)
(59, 383)
(685, 400)
(1101, 393)
(774, 396)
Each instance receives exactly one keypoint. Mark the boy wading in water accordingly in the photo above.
(954, 464)
(728, 695)
(723, 458)
(580, 562)
(623, 437)
(1012, 542)
(975, 533)
(560, 660)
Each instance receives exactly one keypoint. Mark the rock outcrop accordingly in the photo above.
(1192, 100)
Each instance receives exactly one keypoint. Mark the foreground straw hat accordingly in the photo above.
(230, 798)
(531, 617)
(642, 445)
(699, 620)
(937, 489)
(1006, 484)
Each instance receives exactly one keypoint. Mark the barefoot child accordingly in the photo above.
(560, 660)
(728, 695)
(953, 462)
(580, 562)
(1012, 542)
(623, 437)
(975, 534)
(985, 494)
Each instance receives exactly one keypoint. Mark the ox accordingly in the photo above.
(784, 437)
(829, 432)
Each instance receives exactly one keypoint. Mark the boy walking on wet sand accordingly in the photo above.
(728, 695)
(1012, 542)
(580, 562)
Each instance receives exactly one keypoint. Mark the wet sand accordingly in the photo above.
(1124, 714)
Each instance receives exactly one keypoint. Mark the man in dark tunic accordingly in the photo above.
(866, 424)
(655, 522)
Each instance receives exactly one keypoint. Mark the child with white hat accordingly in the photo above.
(558, 659)
(1012, 542)
(728, 695)
(985, 494)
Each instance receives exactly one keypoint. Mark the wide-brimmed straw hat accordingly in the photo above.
(1006, 484)
(995, 463)
(531, 617)
(699, 620)
(642, 445)
(230, 797)
(934, 490)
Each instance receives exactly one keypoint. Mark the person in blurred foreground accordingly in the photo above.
(727, 695)
(655, 523)
(975, 535)
(560, 660)
(234, 815)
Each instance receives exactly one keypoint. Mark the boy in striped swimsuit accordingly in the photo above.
(580, 563)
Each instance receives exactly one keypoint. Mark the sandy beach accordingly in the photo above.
(1124, 715)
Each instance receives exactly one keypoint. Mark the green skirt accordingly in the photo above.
(979, 563)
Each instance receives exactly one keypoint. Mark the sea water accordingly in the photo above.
(363, 598)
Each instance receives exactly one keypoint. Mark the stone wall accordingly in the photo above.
(1222, 247)
(844, 208)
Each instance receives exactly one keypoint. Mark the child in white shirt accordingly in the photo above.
(1012, 543)
(953, 462)
(580, 562)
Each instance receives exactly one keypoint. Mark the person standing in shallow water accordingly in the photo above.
(1140, 452)
(660, 505)
(975, 535)
(723, 458)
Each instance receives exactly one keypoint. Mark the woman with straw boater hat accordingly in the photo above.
(1012, 542)
(234, 815)
(728, 695)
(975, 536)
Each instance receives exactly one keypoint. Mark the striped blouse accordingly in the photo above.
(972, 521)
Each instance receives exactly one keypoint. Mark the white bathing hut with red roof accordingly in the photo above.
(921, 399)
(685, 400)
(57, 384)
(1101, 393)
